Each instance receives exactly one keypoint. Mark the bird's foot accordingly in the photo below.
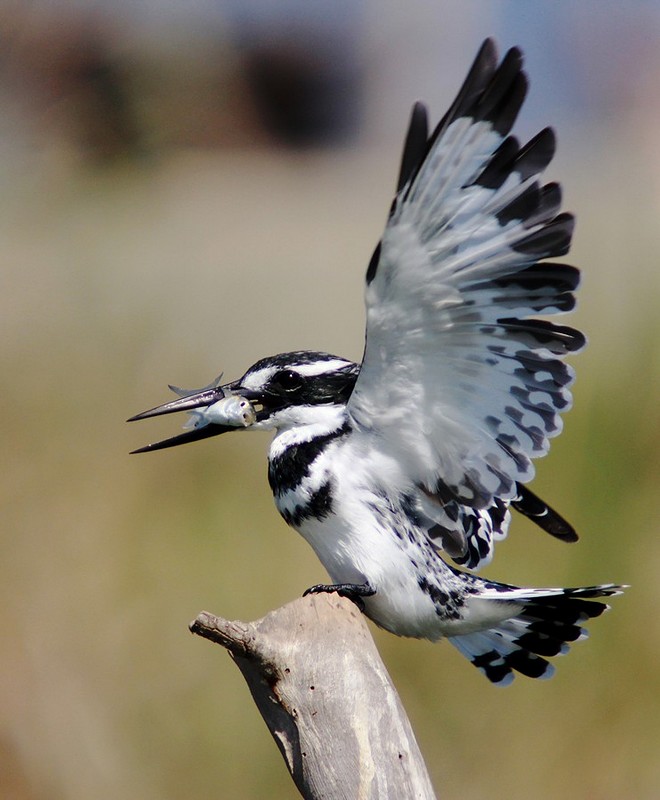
(353, 591)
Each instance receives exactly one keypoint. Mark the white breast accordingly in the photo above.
(367, 538)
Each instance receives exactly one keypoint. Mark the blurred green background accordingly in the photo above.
(188, 188)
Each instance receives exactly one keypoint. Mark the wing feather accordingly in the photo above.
(458, 383)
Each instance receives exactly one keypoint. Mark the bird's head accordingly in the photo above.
(278, 392)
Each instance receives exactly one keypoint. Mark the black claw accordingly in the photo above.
(353, 591)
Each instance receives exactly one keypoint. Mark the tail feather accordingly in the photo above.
(497, 658)
(543, 628)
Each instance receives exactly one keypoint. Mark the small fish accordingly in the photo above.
(233, 410)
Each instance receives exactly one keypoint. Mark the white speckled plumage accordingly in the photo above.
(426, 446)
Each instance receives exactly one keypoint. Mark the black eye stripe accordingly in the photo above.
(287, 380)
(278, 380)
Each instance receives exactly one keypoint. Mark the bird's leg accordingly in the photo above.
(353, 591)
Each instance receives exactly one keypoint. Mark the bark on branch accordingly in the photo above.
(317, 679)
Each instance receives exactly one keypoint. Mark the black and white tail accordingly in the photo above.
(550, 619)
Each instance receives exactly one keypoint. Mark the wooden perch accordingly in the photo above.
(317, 679)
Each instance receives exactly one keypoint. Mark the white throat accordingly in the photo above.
(299, 424)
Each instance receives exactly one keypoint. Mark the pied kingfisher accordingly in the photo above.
(424, 447)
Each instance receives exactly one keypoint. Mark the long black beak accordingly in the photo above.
(193, 435)
(205, 397)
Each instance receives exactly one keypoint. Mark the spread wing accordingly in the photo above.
(459, 383)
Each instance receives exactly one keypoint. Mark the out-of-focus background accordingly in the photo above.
(187, 187)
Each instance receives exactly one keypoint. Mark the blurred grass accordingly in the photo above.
(115, 284)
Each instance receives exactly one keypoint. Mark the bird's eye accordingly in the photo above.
(287, 381)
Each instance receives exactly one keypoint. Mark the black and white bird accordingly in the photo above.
(423, 449)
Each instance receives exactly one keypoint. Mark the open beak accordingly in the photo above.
(214, 410)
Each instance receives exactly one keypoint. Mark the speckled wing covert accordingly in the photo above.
(459, 382)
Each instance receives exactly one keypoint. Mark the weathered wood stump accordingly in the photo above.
(317, 679)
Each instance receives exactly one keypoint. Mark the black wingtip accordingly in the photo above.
(486, 58)
(543, 515)
(489, 92)
(535, 156)
(414, 148)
